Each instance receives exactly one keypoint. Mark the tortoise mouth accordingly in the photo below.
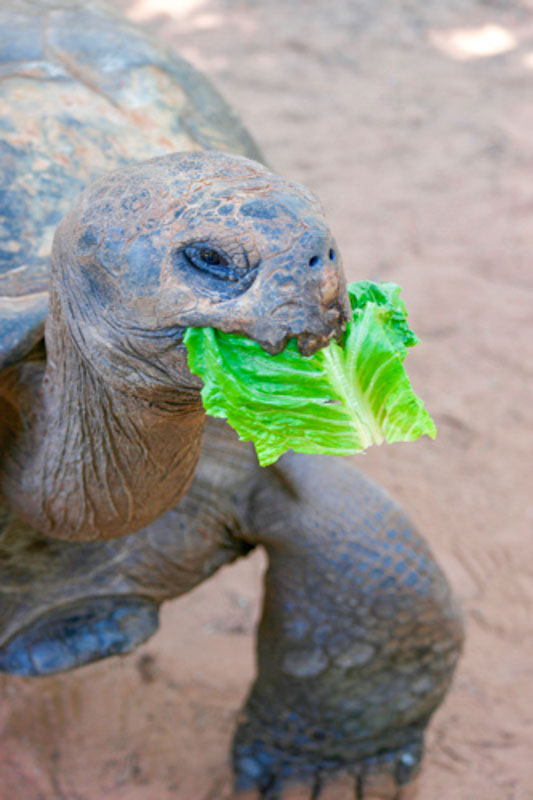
(309, 343)
(312, 328)
(334, 321)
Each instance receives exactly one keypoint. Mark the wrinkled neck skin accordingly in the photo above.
(95, 461)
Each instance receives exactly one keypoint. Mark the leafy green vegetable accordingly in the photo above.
(340, 400)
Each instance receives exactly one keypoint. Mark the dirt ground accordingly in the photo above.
(414, 124)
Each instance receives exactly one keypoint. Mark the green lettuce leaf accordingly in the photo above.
(340, 400)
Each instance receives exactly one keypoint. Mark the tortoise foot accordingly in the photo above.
(262, 773)
(78, 633)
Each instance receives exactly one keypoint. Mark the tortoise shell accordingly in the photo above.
(71, 112)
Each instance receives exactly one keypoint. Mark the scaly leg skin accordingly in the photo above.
(357, 644)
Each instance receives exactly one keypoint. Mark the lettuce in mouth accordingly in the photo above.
(340, 400)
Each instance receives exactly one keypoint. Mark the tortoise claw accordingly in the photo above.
(265, 773)
(78, 633)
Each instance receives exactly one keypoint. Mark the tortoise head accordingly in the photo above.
(189, 240)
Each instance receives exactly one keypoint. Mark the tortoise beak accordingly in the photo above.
(313, 327)
(309, 343)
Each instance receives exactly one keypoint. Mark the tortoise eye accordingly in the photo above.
(211, 270)
(210, 260)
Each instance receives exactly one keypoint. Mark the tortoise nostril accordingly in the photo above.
(317, 261)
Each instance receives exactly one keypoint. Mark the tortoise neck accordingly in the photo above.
(97, 462)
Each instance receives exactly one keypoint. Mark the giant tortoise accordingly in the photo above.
(133, 204)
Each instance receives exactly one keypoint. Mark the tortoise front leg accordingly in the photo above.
(66, 604)
(357, 643)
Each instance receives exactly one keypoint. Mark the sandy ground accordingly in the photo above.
(414, 124)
